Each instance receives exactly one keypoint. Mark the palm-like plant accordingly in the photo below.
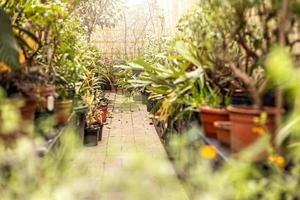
(175, 83)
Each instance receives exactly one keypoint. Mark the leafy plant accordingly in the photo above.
(9, 51)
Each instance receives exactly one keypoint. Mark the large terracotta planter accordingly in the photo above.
(209, 115)
(63, 111)
(244, 128)
(223, 132)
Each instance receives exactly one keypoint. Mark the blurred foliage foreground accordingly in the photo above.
(24, 175)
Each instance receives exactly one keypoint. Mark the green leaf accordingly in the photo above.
(9, 52)
(184, 50)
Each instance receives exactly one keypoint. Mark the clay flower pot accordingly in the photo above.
(209, 115)
(223, 129)
(63, 111)
(244, 128)
(28, 109)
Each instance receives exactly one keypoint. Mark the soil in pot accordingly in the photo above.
(209, 115)
(223, 129)
(80, 113)
(245, 130)
(91, 136)
(63, 111)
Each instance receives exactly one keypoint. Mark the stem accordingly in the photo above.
(250, 84)
(283, 17)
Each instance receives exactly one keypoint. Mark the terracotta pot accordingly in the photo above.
(28, 109)
(209, 115)
(63, 111)
(244, 130)
(223, 129)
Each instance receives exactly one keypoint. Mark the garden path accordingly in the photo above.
(131, 160)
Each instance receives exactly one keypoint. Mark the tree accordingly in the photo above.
(102, 13)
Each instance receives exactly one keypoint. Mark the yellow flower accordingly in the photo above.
(4, 67)
(277, 160)
(208, 152)
(259, 130)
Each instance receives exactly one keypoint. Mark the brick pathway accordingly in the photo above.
(130, 162)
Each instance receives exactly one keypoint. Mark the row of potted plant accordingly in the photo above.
(96, 117)
(48, 78)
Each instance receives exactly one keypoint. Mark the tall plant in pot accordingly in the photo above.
(207, 27)
(102, 110)
(254, 38)
(92, 128)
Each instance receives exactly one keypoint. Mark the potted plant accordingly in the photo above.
(102, 110)
(63, 105)
(250, 122)
(91, 131)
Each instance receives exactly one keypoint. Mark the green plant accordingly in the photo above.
(89, 99)
(8, 45)
(172, 82)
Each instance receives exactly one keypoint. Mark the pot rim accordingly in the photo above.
(67, 101)
(92, 129)
(209, 109)
(250, 110)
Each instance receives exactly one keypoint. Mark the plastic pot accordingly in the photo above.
(91, 136)
(83, 109)
(100, 134)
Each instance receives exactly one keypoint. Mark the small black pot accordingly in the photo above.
(100, 132)
(91, 136)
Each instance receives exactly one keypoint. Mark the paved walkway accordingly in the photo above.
(130, 162)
